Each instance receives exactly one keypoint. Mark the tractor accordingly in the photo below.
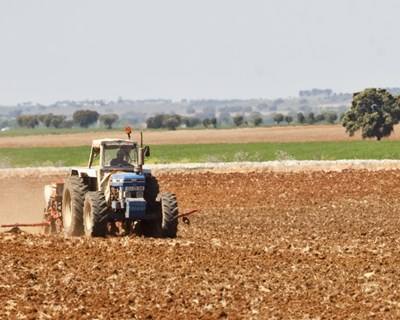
(114, 195)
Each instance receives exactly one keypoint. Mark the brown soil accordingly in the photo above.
(304, 245)
(244, 135)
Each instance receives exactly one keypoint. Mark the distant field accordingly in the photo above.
(275, 134)
(23, 132)
(77, 156)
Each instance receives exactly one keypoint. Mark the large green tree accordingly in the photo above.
(374, 112)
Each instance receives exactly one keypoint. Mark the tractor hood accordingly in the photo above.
(127, 179)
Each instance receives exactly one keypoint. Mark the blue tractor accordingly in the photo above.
(114, 195)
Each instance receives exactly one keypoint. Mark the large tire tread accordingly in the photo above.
(99, 208)
(149, 228)
(170, 212)
(76, 188)
(151, 192)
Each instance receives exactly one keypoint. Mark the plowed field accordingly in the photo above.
(304, 245)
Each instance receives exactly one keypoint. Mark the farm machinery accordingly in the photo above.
(113, 195)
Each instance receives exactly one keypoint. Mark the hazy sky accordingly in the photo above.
(75, 49)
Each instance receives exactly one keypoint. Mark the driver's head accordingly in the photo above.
(120, 154)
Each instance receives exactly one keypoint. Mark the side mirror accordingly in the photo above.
(146, 151)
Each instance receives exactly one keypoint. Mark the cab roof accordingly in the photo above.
(99, 142)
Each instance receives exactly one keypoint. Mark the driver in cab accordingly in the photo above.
(120, 161)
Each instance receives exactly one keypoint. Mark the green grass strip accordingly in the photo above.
(78, 156)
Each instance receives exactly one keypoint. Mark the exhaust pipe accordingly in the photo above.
(140, 154)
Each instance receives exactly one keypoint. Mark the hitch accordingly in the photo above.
(15, 227)
(185, 215)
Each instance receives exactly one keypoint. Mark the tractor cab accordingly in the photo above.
(113, 154)
(116, 155)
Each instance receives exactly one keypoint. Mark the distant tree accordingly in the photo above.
(331, 117)
(32, 121)
(257, 121)
(21, 120)
(51, 120)
(169, 121)
(28, 121)
(45, 119)
(301, 118)
(278, 118)
(238, 120)
(85, 118)
(57, 121)
(374, 112)
(109, 119)
(191, 122)
(255, 118)
(319, 118)
(206, 122)
(172, 122)
(213, 122)
(67, 124)
(155, 122)
(288, 119)
(310, 118)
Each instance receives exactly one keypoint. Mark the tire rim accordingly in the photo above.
(87, 218)
(67, 212)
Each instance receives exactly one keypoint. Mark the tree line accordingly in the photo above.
(81, 118)
(173, 121)
(308, 118)
(86, 118)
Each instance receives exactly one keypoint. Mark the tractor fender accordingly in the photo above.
(84, 172)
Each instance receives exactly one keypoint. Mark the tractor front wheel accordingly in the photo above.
(94, 214)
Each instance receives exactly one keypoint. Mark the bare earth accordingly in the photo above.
(266, 245)
(243, 135)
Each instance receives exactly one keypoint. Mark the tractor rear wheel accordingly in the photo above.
(169, 219)
(94, 212)
(165, 224)
(72, 207)
(150, 193)
(149, 228)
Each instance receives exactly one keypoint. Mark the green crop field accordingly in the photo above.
(77, 156)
